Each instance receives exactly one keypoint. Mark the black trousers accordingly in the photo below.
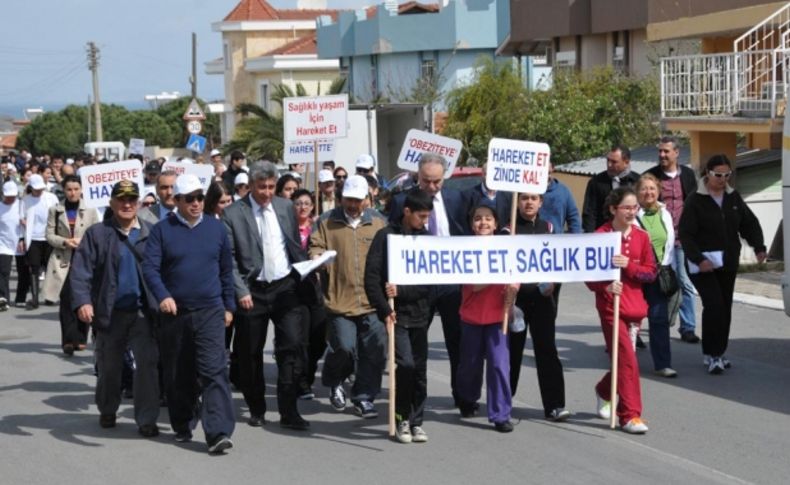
(715, 290)
(448, 304)
(278, 302)
(540, 314)
(23, 279)
(5, 276)
(411, 379)
(72, 329)
(37, 256)
(316, 345)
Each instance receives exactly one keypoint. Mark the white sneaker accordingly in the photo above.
(604, 407)
(706, 359)
(666, 372)
(403, 432)
(635, 426)
(725, 362)
(716, 366)
(418, 435)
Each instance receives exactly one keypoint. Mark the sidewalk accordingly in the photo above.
(762, 289)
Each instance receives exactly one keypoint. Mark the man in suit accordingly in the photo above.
(448, 218)
(165, 183)
(265, 239)
(502, 201)
(617, 174)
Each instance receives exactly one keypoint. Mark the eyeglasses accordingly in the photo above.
(242, 186)
(147, 204)
(628, 208)
(719, 175)
(341, 177)
(190, 198)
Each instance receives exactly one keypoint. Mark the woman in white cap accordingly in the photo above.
(35, 209)
(10, 234)
(241, 185)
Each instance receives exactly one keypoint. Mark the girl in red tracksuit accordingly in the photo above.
(638, 266)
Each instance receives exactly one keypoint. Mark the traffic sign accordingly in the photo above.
(196, 143)
(194, 112)
(194, 127)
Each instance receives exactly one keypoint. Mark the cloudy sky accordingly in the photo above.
(145, 47)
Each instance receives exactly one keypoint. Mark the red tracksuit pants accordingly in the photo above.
(629, 394)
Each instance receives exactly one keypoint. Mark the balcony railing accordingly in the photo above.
(750, 84)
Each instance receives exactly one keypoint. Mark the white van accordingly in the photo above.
(111, 150)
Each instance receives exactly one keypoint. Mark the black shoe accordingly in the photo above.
(128, 393)
(68, 350)
(107, 420)
(148, 431)
(640, 344)
(219, 445)
(256, 420)
(295, 422)
(504, 427)
(689, 337)
(183, 436)
(467, 409)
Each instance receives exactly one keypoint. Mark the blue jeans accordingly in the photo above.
(687, 318)
(361, 340)
(658, 321)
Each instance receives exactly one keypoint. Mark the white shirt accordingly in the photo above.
(442, 224)
(10, 228)
(275, 256)
(185, 222)
(36, 213)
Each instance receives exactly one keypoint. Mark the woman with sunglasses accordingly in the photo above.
(713, 219)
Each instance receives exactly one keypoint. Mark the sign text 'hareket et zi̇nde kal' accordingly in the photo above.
(551, 258)
(315, 118)
(419, 142)
(97, 180)
(517, 166)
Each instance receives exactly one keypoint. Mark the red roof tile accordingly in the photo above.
(262, 10)
(8, 141)
(407, 8)
(303, 45)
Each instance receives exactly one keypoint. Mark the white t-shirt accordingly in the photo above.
(10, 228)
(36, 211)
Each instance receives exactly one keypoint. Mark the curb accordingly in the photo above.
(758, 301)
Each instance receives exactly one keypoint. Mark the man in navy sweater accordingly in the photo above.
(189, 269)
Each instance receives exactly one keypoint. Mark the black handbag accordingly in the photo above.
(667, 280)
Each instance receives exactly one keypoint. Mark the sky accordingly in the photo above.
(145, 49)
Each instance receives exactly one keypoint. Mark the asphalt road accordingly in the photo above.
(733, 428)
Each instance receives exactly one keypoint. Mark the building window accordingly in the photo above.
(428, 70)
(264, 95)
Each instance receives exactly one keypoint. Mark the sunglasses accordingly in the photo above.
(719, 175)
(242, 186)
(192, 198)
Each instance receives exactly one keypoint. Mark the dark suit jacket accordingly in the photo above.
(502, 200)
(454, 205)
(245, 240)
(150, 214)
(594, 214)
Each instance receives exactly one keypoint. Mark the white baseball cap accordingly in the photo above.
(365, 161)
(325, 176)
(356, 187)
(36, 182)
(10, 189)
(241, 178)
(215, 152)
(296, 175)
(69, 161)
(187, 183)
(187, 161)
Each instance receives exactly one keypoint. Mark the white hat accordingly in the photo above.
(187, 161)
(241, 178)
(215, 152)
(296, 175)
(325, 176)
(10, 189)
(36, 182)
(69, 161)
(187, 183)
(365, 161)
(356, 187)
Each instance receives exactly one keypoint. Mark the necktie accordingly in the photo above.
(268, 263)
(432, 223)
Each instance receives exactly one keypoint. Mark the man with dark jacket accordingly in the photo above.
(617, 174)
(678, 182)
(502, 201)
(235, 167)
(107, 291)
(411, 312)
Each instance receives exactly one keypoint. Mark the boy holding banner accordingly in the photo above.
(412, 311)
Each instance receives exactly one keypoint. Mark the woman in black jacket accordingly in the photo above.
(540, 313)
(713, 219)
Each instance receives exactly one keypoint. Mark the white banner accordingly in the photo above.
(315, 118)
(517, 166)
(202, 171)
(302, 152)
(136, 146)
(418, 142)
(551, 258)
(97, 180)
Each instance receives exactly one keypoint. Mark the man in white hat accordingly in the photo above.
(216, 156)
(356, 337)
(10, 233)
(365, 165)
(188, 267)
(35, 210)
(326, 189)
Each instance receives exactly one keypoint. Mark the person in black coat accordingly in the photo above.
(714, 219)
(412, 315)
(617, 174)
(539, 305)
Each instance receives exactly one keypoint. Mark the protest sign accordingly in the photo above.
(315, 118)
(517, 166)
(203, 172)
(97, 180)
(136, 146)
(550, 258)
(302, 152)
(418, 142)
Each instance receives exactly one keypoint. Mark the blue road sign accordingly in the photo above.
(196, 143)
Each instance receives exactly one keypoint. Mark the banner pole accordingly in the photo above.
(513, 210)
(615, 341)
(391, 370)
(315, 175)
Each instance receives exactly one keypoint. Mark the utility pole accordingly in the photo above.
(193, 79)
(89, 118)
(93, 65)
